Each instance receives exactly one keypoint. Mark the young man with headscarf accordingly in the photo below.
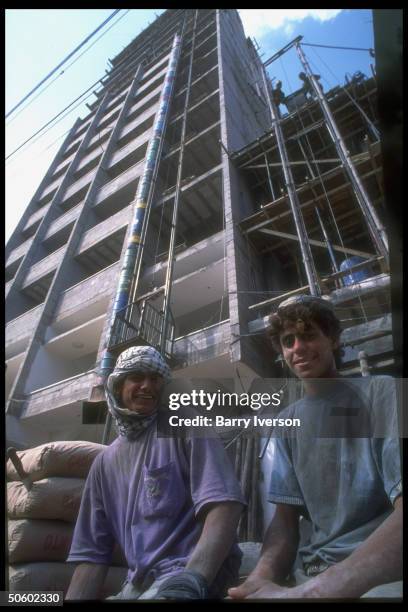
(171, 504)
(340, 471)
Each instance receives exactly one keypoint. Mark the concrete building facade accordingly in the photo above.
(236, 249)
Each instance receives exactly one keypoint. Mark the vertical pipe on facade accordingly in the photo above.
(375, 227)
(142, 203)
(145, 225)
(170, 261)
(307, 257)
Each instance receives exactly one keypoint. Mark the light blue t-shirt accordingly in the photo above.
(345, 486)
(145, 495)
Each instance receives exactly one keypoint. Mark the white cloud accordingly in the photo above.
(257, 22)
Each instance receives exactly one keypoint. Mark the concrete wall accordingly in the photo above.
(243, 119)
(59, 394)
(19, 330)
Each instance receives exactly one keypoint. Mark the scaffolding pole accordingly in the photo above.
(375, 227)
(322, 227)
(327, 241)
(170, 260)
(307, 257)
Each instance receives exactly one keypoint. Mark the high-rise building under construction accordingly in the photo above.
(222, 201)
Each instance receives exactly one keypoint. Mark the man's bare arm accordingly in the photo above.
(278, 551)
(87, 581)
(217, 537)
(378, 560)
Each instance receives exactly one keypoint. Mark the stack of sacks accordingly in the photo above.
(41, 520)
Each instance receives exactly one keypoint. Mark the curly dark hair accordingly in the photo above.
(314, 312)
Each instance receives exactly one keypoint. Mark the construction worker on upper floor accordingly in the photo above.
(307, 86)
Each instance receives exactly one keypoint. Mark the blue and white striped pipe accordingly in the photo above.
(141, 203)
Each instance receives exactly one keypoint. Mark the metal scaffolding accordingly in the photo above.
(375, 226)
(293, 199)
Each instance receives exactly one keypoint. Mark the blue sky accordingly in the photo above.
(38, 39)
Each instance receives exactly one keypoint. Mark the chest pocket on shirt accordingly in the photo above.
(163, 492)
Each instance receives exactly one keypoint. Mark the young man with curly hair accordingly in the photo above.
(340, 471)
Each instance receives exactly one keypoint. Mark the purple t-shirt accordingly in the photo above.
(145, 495)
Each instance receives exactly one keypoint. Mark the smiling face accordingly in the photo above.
(308, 351)
(141, 392)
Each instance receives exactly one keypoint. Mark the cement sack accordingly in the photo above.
(38, 540)
(50, 498)
(70, 459)
(57, 577)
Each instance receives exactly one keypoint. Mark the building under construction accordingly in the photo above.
(179, 212)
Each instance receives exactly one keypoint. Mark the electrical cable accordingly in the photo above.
(51, 127)
(68, 67)
(62, 63)
(342, 87)
(53, 119)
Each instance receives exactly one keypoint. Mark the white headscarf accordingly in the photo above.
(144, 359)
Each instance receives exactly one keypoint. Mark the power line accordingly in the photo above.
(52, 126)
(68, 67)
(63, 62)
(51, 120)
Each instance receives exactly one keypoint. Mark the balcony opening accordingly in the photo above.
(75, 198)
(37, 291)
(58, 361)
(86, 165)
(101, 255)
(12, 268)
(130, 158)
(200, 216)
(58, 239)
(13, 365)
(201, 318)
(108, 119)
(134, 129)
(139, 109)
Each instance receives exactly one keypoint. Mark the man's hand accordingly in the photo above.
(260, 588)
(277, 556)
(251, 585)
